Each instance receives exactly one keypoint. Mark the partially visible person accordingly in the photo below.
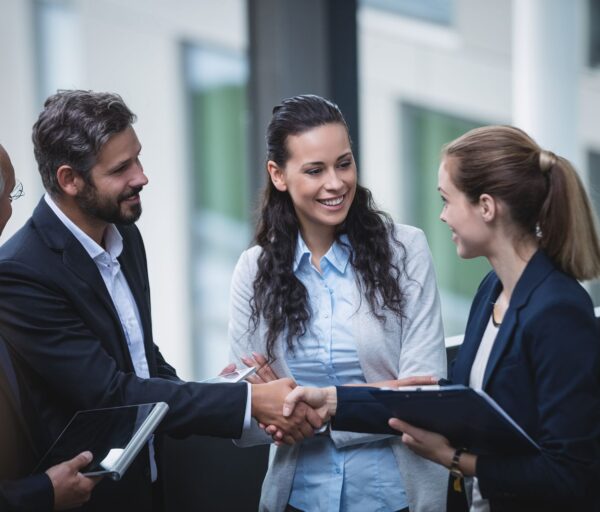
(61, 486)
(334, 292)
(531, 340)
(75, 300)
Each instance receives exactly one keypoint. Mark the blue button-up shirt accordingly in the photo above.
(356, 478)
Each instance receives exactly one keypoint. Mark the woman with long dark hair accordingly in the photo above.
(335, 293)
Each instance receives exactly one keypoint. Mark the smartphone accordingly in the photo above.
(235, 376)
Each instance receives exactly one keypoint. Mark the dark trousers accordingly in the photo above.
(158, 503)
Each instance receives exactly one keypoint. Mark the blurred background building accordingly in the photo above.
(203, 75)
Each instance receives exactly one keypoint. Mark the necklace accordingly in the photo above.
(496, 315)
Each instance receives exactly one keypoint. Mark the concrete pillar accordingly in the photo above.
(547, 58)
(300, 47)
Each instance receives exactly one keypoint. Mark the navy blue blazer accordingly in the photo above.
(70, 347)
(544, 371)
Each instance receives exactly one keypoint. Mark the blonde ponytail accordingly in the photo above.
(568, 224)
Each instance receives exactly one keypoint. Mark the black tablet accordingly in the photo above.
(114, 435)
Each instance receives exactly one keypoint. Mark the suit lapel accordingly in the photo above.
(474, 332)
(535, 272)
(79, 262)
(501, 343)
(58, 238)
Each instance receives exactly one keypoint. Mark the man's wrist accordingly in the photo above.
(255, 399)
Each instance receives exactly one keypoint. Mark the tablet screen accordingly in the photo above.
(104, 432)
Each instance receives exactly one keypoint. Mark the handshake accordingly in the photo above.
(291, 413)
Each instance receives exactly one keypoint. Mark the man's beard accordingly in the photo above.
(106, 208)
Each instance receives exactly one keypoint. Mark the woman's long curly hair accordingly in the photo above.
(279, 296)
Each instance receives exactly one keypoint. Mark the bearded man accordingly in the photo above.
(75, 300)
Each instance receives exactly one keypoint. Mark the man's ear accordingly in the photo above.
(69, 180)
(277, 176)
(488, 207)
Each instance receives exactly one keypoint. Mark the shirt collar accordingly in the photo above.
(112, 238)
(338, 254)
(302, 251)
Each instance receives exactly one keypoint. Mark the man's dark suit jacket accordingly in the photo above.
(544, 371)
(72, 351)
(18, 455)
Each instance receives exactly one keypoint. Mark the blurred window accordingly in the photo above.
(216, 82)
(426, 132)
(58, 46)
(434, 11)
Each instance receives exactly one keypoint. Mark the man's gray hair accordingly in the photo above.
(72, 129)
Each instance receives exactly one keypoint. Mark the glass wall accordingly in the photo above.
(216, 83)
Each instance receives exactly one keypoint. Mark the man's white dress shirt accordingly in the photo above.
(119, 291)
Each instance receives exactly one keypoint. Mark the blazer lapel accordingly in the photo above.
(80, 263)
(501, 343)
(535, 272)
(58, 238)
(474, 332)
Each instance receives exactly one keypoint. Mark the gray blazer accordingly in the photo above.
(385, 351)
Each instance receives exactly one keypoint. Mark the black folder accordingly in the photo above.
(114, 435)
(467, 417)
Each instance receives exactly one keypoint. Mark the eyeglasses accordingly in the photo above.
(17, 192)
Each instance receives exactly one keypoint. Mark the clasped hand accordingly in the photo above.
(308, 401)
(268, 397)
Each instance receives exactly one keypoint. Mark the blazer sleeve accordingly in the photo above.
(31, 494)
(52, 340)
(563, 351)
(242, 336)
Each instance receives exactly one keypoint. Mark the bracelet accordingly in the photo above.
(454, 469)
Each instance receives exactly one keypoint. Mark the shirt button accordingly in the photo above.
(338, 470)
(326, 315)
